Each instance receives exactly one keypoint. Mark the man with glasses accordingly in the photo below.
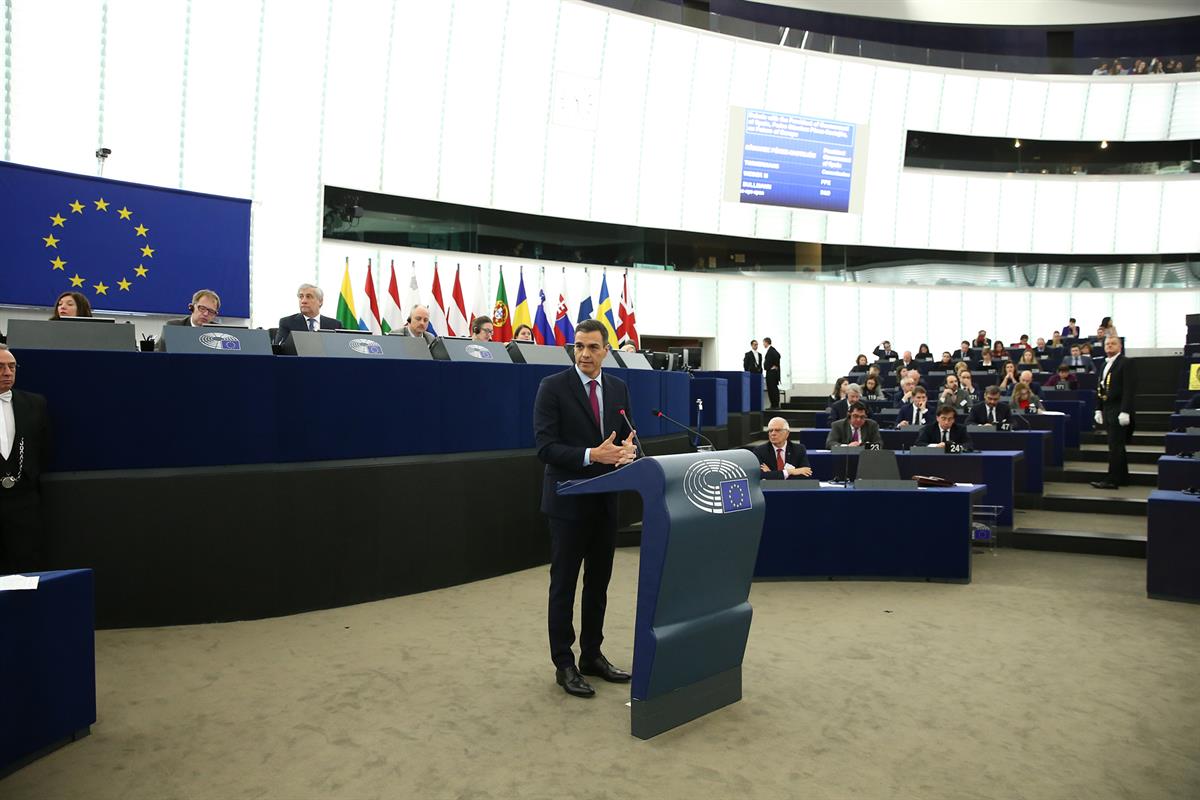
(582, 429)
(205, 306)
(780, 459)
(855, 429)
(24, 448)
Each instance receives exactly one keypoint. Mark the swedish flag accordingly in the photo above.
(604, 313)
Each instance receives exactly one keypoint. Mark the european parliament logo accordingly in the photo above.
(124, 246)
(717, 486)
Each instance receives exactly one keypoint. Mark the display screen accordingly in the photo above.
(796, 161)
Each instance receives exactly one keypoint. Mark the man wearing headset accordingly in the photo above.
(205, 306)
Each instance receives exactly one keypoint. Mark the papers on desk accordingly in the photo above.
(832, 485)
(964, 484)
(12, 583)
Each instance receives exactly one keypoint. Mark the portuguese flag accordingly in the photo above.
(501, 319)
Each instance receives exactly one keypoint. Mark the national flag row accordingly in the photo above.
(449, 315)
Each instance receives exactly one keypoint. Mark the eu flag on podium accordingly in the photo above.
(124, 246)
(735, 495)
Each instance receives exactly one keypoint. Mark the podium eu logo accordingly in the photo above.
(735, 495)
(717, 485)
(124, 246)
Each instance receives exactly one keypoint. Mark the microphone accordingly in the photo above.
(629, 421)
(658, 413)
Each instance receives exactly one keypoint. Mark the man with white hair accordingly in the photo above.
(417, 324)
(841, 408)
(310, 318)
(781, 458)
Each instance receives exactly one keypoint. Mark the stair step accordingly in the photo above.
(1151, 438)
(1086, 471)
(1099, 453)
(1083, 499)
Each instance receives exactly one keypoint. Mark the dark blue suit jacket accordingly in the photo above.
(906, 414)
(564, 427)
(794, 453)
(979, 414)
(932, 434)
(296, 322)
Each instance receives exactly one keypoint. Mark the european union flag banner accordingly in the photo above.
(125, 246)
(735, 495)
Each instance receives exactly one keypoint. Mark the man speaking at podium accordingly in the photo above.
(579, 417)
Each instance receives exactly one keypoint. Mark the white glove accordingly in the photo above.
(1123, 419)
(1099, 417)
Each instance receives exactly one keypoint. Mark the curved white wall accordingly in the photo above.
(568, 109)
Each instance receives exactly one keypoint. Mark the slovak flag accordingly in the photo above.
(564, 331)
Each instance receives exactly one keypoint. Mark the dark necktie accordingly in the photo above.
(595, 404)
(916, 414)
(854, 436)
(779, 458)
(312, 324)
(992, 414)
(945, 436)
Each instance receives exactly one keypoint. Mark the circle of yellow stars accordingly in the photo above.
(101, 206)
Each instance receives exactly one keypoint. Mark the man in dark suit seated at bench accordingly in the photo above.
(780, 458)
(855, 429)
(310, 317)
(945, 431)
(991, 411)
(839, 409)
(915, 412)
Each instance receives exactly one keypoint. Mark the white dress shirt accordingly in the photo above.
(8, 424)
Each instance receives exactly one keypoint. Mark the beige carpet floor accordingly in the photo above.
(1050, 676)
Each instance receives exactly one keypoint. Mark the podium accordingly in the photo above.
(214, 339)
(702, 520)
(75, 334)
(355, 344)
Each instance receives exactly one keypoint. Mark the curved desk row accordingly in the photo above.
(143, 410)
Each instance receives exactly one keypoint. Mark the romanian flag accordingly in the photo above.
(346, 316)
(501, 320)
(604, 313)
(521, 309)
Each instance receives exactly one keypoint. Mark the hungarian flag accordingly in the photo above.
(627, 324)
(564, 331)
(521, 310)
(371, 312)
(456, 315)
(501, 320)
(437, 312)
(393, 318)
(543, 332)
(346, 316)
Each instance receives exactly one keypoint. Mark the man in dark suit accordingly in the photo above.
(841, 408)
(991, 411)
(417, 324)
(963, 353)
(753, 360)
(24, 449)
(916, 411)
(578, 427)
(781, 459)
(1114, 395)
(1077, 360)
(855, 429)
(885, 352)
(310, 317)
(204, 308)
(945, 431)
(906, 362)
(771, 371)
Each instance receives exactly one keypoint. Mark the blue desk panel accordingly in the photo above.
(1181, 422)
(1176, 473)
(821, 534)
(1057, 425)
(756, 391)
(1034, 444)
(141, 410)
(47, 663)
(1075, 410)
(739, 388)
(999, 470)
(714, 393)
(1182, 443)
(1172, 546)
(1087, 411)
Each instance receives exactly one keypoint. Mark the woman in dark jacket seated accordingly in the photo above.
(860, 364)
(872, 389)
(839, 391)
(923, 353)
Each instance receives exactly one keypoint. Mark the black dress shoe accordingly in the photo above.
(1104, 485)
(602, 668)
(573, 683)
